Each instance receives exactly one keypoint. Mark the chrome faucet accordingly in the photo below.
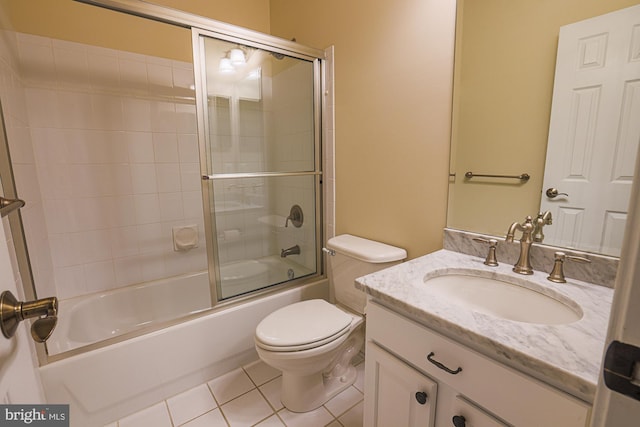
(523, 266)
(293, 250)
(544, 218)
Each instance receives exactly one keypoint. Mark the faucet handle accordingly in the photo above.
(557, 273)
(491, 255)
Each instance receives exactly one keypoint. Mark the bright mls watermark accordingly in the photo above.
(34, 415)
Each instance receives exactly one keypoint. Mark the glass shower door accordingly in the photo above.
(262, 170)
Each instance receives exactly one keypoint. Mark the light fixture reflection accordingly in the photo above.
(226, 67)
(237, 57)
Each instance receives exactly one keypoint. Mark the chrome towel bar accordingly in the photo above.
(9, 205)
(522, 177)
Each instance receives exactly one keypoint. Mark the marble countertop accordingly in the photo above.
(567, 356)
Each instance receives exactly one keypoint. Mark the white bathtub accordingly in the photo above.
(108, 383)
(88, 319)
(93, 318)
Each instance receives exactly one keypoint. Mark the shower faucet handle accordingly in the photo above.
(296, 216)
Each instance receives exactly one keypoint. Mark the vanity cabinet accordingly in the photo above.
(407, 364)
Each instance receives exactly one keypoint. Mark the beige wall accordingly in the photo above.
(505, 67)
(392, 71)
(73, 21)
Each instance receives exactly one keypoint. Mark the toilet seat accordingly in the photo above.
(302, 326)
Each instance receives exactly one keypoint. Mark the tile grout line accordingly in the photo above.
(218, 405)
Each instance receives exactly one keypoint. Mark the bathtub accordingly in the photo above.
(89, 319)
(108, 383)
(93, 318)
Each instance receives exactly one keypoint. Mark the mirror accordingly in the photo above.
(503, 86)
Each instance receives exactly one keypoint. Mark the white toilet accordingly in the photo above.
(312, 342)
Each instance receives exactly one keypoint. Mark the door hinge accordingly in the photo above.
(620, 369)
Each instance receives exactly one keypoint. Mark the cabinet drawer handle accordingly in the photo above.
(421, 397)
(442, 366)
(459, 421)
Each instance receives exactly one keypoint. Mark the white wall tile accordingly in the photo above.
(133, 75)
(140, 147)
(171, 206)
(150, 237)
(168, 175)
(147, 208)
(103, 70)
(188, 148)
(136, 114)
(186, 121)
(71, 65)
(106, 112)
(190, 177)
(99, 276)
(163, 116)
(120, 210)
(165, 147)
(42, 106)
(160, 76)
(143, 178)
(115, 171)
(90, 246)
(124, 241)
(128, 270)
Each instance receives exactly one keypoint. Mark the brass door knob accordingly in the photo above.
(12, 312)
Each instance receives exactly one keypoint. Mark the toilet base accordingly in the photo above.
(306, 393)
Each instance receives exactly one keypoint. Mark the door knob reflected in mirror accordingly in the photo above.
(552, 193)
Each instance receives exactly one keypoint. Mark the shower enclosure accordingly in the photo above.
(158, 189)
(259, 130)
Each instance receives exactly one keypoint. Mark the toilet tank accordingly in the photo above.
(355, 257)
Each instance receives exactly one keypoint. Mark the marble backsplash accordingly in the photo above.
(600, 271)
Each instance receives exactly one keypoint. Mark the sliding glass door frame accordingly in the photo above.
(209, 175)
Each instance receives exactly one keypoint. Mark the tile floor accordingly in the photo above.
(248, 396)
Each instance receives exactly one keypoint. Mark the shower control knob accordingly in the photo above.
(459, 421)
(421, 397)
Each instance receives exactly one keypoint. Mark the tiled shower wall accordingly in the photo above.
(116, 158)
(105, 153)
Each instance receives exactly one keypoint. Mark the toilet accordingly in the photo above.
(313, 342)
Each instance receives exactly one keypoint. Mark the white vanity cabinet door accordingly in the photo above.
(472, 415)
(392, 392)
(512, 396)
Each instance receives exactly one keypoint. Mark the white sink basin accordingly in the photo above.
(503, 299)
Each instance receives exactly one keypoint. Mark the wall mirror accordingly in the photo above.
(504, 86)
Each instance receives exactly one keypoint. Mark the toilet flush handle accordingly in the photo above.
(329, 251)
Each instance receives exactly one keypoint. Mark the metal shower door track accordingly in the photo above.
(223, 30)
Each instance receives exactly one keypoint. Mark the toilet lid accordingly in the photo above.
(303, 323)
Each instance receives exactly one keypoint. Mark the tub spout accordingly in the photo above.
(293, 250)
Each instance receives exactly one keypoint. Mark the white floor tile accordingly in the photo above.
(344, 401)
(191, 404)
(353, 417)
(260, 372)
(247, 409)
(210, 419)
(155, 416)
(272, 421)
(112, 425)
(335, 423)
(317, 418)
(230, 385)
(271, 391)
